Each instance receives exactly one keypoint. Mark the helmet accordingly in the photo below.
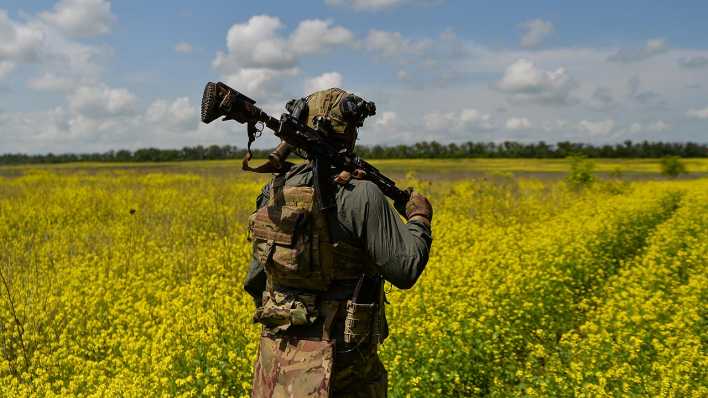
(338, 114)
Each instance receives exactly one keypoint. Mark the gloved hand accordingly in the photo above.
(418, 207)
(344, 176)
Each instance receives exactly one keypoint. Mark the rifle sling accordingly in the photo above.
(267, 167)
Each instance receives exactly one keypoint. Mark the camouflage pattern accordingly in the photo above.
(292, 242)
(280, 311)
(288, 367)
(286, 233)
(295, 304)
(325, 103)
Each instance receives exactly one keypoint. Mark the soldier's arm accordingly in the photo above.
(255, 282)
(399, 250)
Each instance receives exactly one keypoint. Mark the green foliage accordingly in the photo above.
(419, 150)
(672, 166)
(580, 172)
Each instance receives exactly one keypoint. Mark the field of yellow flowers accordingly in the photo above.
(129, 283)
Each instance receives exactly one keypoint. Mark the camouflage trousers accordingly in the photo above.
(291, 367)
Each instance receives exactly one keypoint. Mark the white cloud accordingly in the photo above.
(167, 123)
(659, 126)
(259, 44)
(256, 44)
(698, 113)
(466, 119)
(257, 81)
(442, 72)
(651, 48)
(183, 48)
(596, 128)
(19, 43)
(178, 115)
(367, 5)
(635, 128)
(694, 62)
(81, 18)
(101, 101)
(31, 132)
(386, 120)
(557, 125)
(5, 68)
(34, 42)
(394, 45)
(536, 31)
(313, 35)
(402, 75)
(642, 96)
(527, 83)
(323, 81)
(258, 55)
(51, 82)
(518, 123)
(474, 117)
(602, 99)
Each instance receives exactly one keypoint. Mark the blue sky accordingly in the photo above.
(94, 75)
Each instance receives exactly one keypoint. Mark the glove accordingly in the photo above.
(419, 207)
(344, 176)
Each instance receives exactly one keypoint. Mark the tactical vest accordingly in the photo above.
(291, 241)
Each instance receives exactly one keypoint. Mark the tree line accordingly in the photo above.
(433, 149)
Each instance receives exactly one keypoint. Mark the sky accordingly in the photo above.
(97, 75)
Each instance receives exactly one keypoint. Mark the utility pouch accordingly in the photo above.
(280, 311)
(359, 323)
(282, 239)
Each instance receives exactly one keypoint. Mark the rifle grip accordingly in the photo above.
(280, 154)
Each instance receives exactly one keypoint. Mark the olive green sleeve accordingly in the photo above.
(399, 250)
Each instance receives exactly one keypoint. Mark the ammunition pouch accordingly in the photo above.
(365, 324)
(358, 324)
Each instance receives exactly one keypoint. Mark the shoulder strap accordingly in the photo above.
(276, 190)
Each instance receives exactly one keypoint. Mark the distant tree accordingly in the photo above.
(214, 152)
(425, 149)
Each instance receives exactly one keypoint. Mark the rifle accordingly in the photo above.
(221, 100)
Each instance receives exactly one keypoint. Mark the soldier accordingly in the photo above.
(317, 277)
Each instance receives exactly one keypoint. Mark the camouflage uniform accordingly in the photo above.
(304, 285)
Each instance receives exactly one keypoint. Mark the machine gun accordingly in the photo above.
(221, 100)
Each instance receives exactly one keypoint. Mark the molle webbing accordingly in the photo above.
(291, 240)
